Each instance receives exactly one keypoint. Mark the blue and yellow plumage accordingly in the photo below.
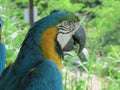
(2, 51)
(38, 64)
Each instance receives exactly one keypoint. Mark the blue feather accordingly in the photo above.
(2, 57)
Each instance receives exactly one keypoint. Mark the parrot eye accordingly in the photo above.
(67, 23)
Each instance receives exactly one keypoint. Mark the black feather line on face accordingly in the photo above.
(58, 49)
(65, 32)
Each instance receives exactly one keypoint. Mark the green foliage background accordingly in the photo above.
(102, 25)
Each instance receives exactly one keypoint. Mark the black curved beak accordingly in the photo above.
(78, 38)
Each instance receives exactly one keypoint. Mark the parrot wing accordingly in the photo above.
(44, 77)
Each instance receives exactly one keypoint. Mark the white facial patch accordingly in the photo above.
(66, 30)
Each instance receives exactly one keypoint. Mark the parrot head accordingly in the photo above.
(51, 34)
(79, 37)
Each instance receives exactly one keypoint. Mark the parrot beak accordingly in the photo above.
(79, 37)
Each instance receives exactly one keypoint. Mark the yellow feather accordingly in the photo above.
(33, 69)
(10, 64)
(48, 46)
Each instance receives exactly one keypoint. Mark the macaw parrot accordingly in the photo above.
(2, 50)
(38, 65)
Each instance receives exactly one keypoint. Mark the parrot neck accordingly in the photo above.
(48, 46)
